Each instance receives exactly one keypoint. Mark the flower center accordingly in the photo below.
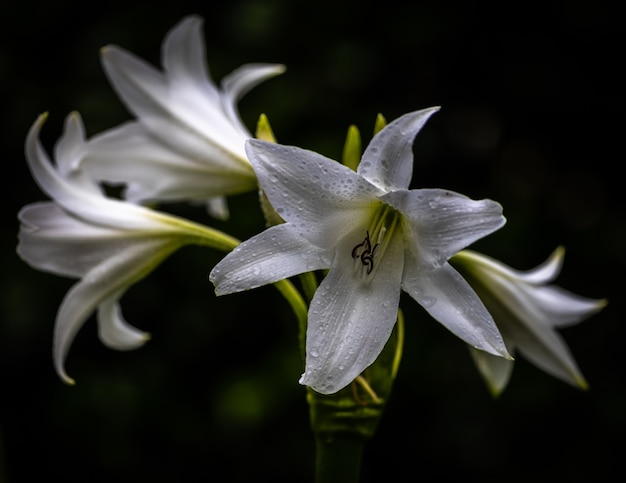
(368, 253)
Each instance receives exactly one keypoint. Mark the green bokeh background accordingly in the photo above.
(532, 116)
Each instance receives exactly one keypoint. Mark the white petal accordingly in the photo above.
(548, 305)
(155, 171)
(191, 120)
(527, 313)
(563, 308)
(351, 317)
(184, 57)
(114, 331)
(217, 207)
(89, 204)
(316, 194)
(53, 241)
(68, 150)
(544, 273)
(272, 255)
(547, 271)
(140, 86)
(388, 160)
(545, 348)
(183, 101)
(496, 371)
(444, 222)
(449, 299)
(104, 281)
(240, 81)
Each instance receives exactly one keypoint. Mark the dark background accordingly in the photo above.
(532, 116)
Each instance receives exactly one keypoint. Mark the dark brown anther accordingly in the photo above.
(365, 251)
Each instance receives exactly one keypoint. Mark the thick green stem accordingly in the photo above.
(339, 459)
(342, 424)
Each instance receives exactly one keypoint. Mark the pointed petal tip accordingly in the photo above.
(106, 50)
(495, 391)
(322, 388)
(67, 379)
(497, 350)
(36, 127)
(280, 68)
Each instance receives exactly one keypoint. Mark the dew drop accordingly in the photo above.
(428, 302)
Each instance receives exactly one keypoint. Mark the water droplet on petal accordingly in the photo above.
(428, 302)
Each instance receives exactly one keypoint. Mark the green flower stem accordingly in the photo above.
(344, 422)
(206, 236)
(339, 459)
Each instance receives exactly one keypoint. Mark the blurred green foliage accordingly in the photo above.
(532, 116)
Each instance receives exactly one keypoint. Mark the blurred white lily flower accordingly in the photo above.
(187, 142)
(107, 243)
(376, 237)
(527, 308)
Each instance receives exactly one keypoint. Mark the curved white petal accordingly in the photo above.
(450, 300)
(87, 204)
(444, 222)
(528, 310)
(104, 281)
(547, 271)
(114, 331)
(153, 170)
(217, 207)
(184, 57)
(53, 241)
(388, 159)
(351, 317)
(180, 116)
(69, 149)
(546, 349)
(272, 255)
(181, 107)
(240, 82)
(549, 305)
(542, 274)
(315, 194)
(496, 371)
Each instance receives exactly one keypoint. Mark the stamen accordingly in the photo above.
(367, 252)
(384, 222)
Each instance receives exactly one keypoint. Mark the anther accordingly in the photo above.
(365, 252)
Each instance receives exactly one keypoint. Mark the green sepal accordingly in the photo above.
(380, 123)
(264, 133)
(352, 148)
(264, 130)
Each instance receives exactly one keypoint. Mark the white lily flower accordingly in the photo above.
(376, 237)
(527, 308)
(108, 244)
(188, 140)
